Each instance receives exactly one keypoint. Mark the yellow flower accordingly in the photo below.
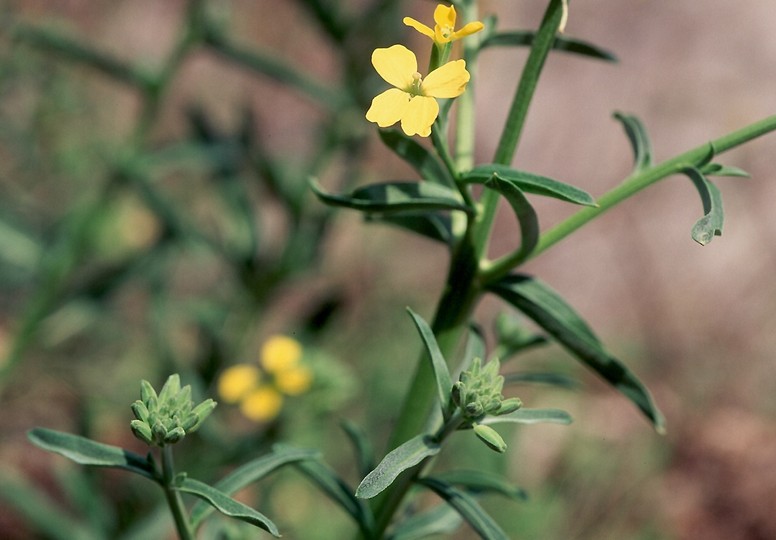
(412, 100)
(444, 29)
(259, 392)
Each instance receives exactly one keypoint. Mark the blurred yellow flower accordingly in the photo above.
(259, 392)
(412, 100)
(444, 29)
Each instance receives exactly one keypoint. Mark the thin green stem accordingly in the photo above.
(173, 496)
(632, 185)
(464, 136)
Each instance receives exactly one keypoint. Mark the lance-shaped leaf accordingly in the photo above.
(562, 43)
(228, 506)
(465, 505)
(525, 213)
(441, 519)
(253, 471)
(482, 482)
(530, 416)
(423, 161)
(530, 183)
(365, 456)
(395, 462)
(433, 225)
(88, 452)
(639, 139)
(391, 197)
(717, 169)
(551, 379)
(710, 225)
(540, 303)
(438, 364)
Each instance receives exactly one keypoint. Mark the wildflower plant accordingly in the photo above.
(454, 203)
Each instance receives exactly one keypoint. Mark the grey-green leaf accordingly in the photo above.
(441, 373)
(561, 43)
(395, 462)
(540, 303)
(465, 505)
(530, 416)
(530, 183)
(392, 197)
(253, 471)
(639, 139)
(717, 169)
(441, 519)
(365, 457)
(228, 506)
(551, 379)
(525, 213)
(423, 161)
(482, 482)
(710, 225)
(433, 225)
(88, 452)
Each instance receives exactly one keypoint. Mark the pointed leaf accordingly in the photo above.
(423, 161)
(716, 169)
(365, 457)
(391, 197)
(562, 43)
(525, 213)
(253, 471)
(465, 504)
(530, 416)
(395, 462)
(710, 225)
(228, 506)
(637, 135)
(438, 363)
(530, 183)
(482, 482)
(559, 320)
(88, 452)
(513, 337)
(441, 519)
(551, 379)
(435, 226)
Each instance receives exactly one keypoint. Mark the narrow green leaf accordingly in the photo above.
(465, 505)
(423, 161)
(475, 348)
(435, 226)
(562, 43)
(530, 416)
(365, 456)
(639, 139)
(228, 506)
(253, 471)
(438, 363)
(710, 225)
(392, 197)
(88, 452)
(530, 183)
(540, 303)
(482, 482)
(717, 169)
(513, 337)
(441, 519)
(395, 462)
(525, 213)
(551, 379)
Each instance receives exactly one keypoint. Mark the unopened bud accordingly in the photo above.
(490, 437)
(142, 431)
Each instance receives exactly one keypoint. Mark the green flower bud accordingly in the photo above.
(148, 395)
(160, 432)
(142, 431)
(169, 391)
(490, 437)
(174, 435)
(508, 406)
(140, 411)
(199, 414)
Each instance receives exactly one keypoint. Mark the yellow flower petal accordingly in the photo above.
(419, 26)
(279, 353)
(419, 116)
(396, 65)
(262, 405)
(445, 16)
(237, 381)
(388, 108)
(447, 81)
(294, 381)
(468, 29)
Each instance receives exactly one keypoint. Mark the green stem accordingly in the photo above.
(464, 136)
(632, 185)
(174, 500)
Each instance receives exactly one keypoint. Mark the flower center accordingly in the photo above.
(417, 80)
(447, 31)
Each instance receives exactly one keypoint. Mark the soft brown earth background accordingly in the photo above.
(696, 321)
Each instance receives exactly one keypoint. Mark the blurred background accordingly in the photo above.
(155, 217)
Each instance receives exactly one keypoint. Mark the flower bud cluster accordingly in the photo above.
(478, 392)
(167, 417)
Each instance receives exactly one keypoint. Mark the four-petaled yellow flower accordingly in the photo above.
(412, 101)
(444, 29)
(261, 400)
